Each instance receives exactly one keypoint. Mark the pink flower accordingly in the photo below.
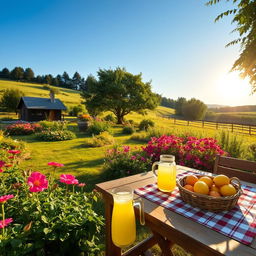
(55, 164)
(2, 164)
(133, 157)
(68, 179)
(37, 182)
(126, 149)
(5, 198)
(14, 152)
(5, 223)
(81, 185)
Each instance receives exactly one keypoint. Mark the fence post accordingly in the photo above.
(217, 126)
(232, 127)
(203, 124)
(188, 123)
(174, 121)
(250, 130)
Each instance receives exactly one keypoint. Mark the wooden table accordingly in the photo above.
(169, 227)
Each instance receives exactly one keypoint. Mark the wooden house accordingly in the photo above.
(37, 109)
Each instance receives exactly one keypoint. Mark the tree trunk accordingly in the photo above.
(120, 119)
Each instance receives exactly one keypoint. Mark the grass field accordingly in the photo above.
(69, 97)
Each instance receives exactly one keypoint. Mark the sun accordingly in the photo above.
(232, 89)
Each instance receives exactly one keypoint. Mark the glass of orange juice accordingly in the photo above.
(123, 225)
(166, 173)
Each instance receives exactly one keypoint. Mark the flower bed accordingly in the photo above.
(21, 128)
(189, 151)
(44, 216)
(58, 135)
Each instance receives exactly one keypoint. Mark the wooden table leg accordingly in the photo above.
(164, 244)
(111, 249)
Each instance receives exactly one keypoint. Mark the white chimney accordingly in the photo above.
(52, 96)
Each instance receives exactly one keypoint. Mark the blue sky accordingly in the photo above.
(176, 44)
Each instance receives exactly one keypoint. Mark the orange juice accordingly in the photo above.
(166, 177)
(123, 220)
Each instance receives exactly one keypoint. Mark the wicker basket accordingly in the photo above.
(213, 204)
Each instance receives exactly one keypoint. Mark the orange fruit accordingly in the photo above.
(221, 180)
(214, 188)
(214, 193)
(191, 180)
(227, 190)
(207, 180)
(189, 187)
(201, 187)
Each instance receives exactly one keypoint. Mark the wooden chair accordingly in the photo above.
(233, 167)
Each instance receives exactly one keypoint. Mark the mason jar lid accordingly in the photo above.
(167, 158)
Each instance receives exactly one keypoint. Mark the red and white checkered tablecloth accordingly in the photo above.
(238, 223)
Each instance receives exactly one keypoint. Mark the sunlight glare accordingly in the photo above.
(231, 89)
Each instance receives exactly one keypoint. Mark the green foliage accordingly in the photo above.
(103, 139)
(9, 143)
(55, 221)
(178, 105)
(232, 144)
(125, 93)
(54, 125)
(10, 99)
(29, 74)
(128, 129)
(194, 109)
(55, 135)
(245, 19)
(252, 152)
(17, 73)
(75, 110)
(122, 161)
(146, 124)
(96, 127)
(110, 118)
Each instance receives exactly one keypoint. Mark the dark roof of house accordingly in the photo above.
(42, 103)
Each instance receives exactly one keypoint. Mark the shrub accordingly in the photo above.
(194, 109)
(122, 161)
(96, 127)
(54, 125)
(56, 135)
(128, 129)
(146, 124)
(75, 110)
(110, 118)
(103, 139)
(10, 99)
(55, 220)
(9, 143)
(189, 151)
(21, 128)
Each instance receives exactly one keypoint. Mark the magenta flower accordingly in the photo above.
(126, 149)
(14, 152)
(55, 164)
(37, 182)
(81, 185)
(2, 164)
(5, 198)
(5, 223)
(68, 179)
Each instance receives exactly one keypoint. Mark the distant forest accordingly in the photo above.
(75, 82)
(247, 108)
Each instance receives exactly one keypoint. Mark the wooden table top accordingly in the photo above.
(201, 239)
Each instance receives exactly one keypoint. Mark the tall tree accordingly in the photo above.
(76, 81)
(244, 16)
(194, 109)
(29, 74)
(48, 79)
(178, 105)
(10, 99)
(17, 73)
(65, 78)
(5, 73)
(120, 92)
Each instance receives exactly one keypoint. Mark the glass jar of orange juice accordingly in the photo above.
(123, 225)
(166, 173)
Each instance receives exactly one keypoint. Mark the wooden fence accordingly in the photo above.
(232, 127)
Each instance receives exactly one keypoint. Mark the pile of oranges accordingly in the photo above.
(213, 186)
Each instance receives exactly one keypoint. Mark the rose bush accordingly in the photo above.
(21, 128)
(43, 216)
(189, 151)
(125, 161)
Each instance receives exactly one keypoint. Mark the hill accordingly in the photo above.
(68, 96)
